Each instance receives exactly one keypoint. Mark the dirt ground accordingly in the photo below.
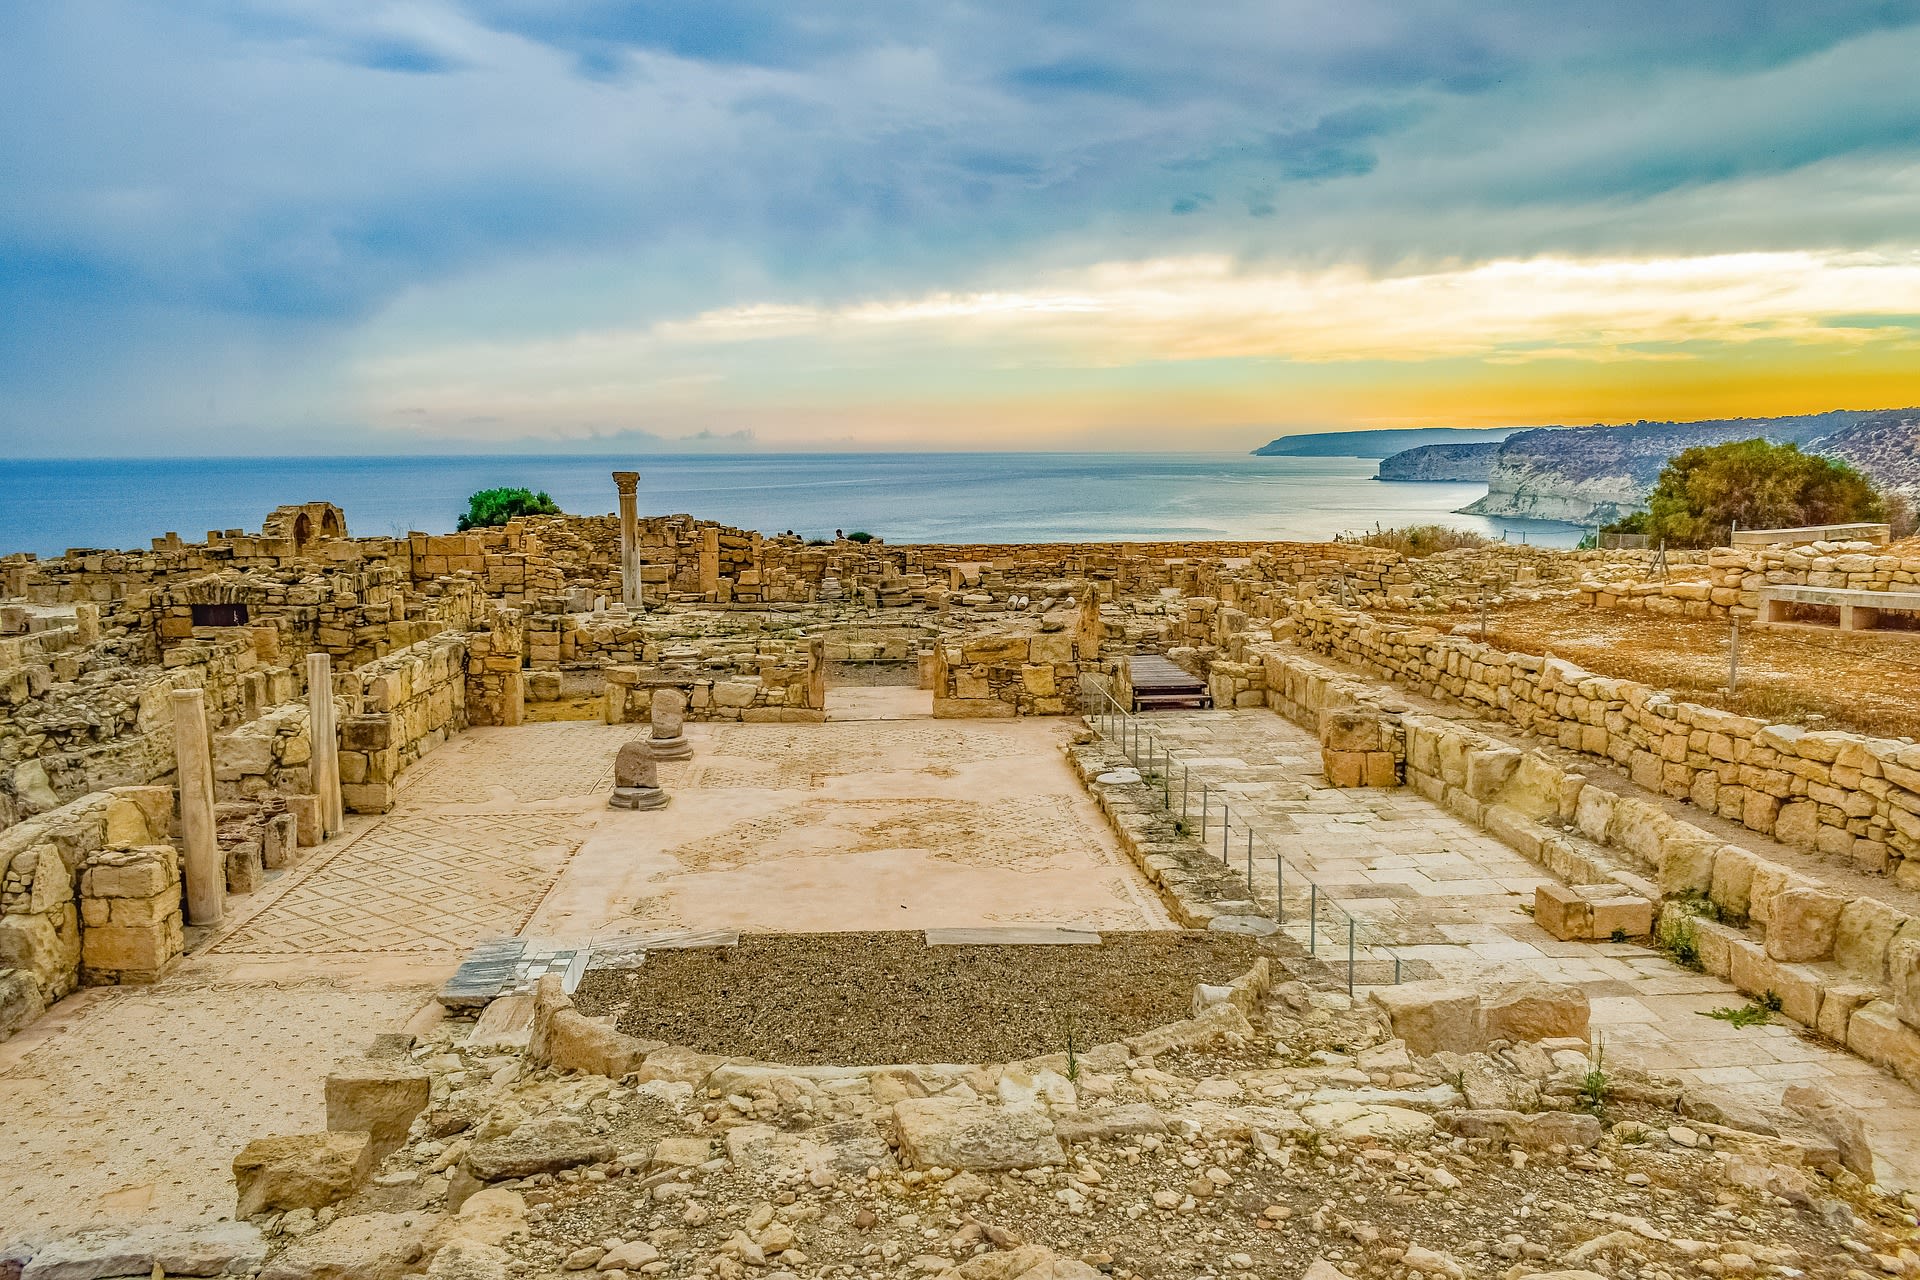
(889, 997)
(1867, 686)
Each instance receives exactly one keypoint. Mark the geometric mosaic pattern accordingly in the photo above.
(134, 1113)
(1038, 836)
(421, 882)
(549, 762)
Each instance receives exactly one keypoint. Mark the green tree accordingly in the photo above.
(492, 507)
(1703, 491)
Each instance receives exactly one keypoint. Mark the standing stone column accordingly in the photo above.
(636, 778)
(324, 768)
(206, 872)
(668, 713)
(628, 482)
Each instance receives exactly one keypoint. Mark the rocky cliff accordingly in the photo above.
(1589, 475)
(1442, 462)
(1886, 447)
(1376, 444)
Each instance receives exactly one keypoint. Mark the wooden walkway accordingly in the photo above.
(1158, 685)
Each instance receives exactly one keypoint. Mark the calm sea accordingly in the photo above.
(49, 506)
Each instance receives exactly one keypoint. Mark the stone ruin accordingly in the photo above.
(636, 778)
(326, 667)
(668, 716)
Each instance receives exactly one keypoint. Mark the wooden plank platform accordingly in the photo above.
(1159, 685)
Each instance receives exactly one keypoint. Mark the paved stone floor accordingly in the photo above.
(1451, 901)
(128, 1104)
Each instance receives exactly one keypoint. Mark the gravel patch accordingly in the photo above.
(889, 997)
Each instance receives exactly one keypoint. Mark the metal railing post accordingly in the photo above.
(1186, 780)
(1349, 957)
(1250, 861)
(1226, 829)
(1203, 811)
(1279, 891)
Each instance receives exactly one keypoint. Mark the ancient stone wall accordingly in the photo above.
(111, 725)
(1845, 964)
(495, 679)
(1031, 670)
(408, 703)
(1733, 579)
(42, 927)
(1842, 794)
(768, 681)
(267, 755)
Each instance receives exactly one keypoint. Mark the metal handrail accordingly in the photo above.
(1154, 759)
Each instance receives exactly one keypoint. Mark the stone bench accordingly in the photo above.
(1879, 534)
(1859, 610)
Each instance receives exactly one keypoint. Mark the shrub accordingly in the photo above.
(1703, 491)
(1420, 539)
(859, 535)
(492, 507)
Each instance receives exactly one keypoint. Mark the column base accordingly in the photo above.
(675, 748)
(637, 798)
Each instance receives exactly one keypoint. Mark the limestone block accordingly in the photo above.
(997, 651)
(378, 1097)
(1877, 1033)
(735, 693)
(1535, 787)
(305, 810)
(137, 873)
(1533, 1131)
(1836, 1009)
(1534, 1011)
(360, 1246)
(949, 1134)
(1351, 730)
(300, 1171)
(1732, 883)
(1488, 769)
(1433, 1016)
(1798, 989)
(20, 1001)
(1624, 915)
(544, 1145)
(1835, 1121)
(1861, 940)
(1797, 824)
(1903, 969)
(1803, 924)
(1562, 912)
(127, 825)
(1686, 859)
(1594, 814)
(140, 949)
(565, 1039)
(1344, 768)
(44, 945)
(279, 842)
(463, 1259)
(210, 1249)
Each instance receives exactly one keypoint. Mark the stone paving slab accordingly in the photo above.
(1443, 893)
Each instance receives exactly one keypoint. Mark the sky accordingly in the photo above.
(341, 226)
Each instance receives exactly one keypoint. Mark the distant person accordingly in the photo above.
(839, 536)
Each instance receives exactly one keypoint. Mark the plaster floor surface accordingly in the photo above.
(127, 1105)
(1453, 902)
